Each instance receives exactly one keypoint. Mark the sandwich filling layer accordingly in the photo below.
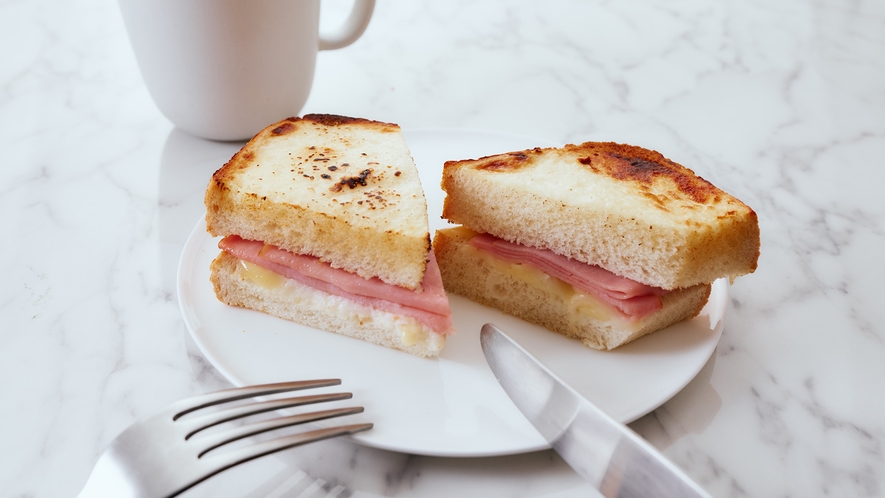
(247, 285)
(430, 306)
(630, 299)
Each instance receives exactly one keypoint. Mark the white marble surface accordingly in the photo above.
(781, 103)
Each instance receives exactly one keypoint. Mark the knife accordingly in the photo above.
(606, 453)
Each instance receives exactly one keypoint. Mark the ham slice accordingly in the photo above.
(632, 299)
(429, 306)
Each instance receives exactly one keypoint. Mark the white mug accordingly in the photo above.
(225, 69)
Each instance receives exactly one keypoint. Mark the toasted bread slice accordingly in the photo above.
(627, 209)
(291, 300)
(345, 190)
(547, 301)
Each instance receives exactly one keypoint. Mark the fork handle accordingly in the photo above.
(107, 480)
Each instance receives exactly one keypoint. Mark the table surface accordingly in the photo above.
(780, 103)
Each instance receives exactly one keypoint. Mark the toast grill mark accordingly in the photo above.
(333, 120)
(352, 181)
(329, 121)
(283, 129)
(511, 161)
(377, 199)
(645, 170)
(508, 162)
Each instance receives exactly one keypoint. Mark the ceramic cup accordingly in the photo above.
(225, 69)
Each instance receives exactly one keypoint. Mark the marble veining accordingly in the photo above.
(779, 103)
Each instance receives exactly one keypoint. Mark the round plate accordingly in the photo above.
(451, 405)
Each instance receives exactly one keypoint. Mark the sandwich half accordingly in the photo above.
(324, 222)
(599, 241)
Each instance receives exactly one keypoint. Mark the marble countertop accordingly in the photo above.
(779, 103)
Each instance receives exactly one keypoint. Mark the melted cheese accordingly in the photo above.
(411, 334)
(410, 330)
(261, 276)
(578, 303)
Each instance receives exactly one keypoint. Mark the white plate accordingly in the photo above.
(450, 406)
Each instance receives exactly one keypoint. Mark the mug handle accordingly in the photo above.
(352, 29)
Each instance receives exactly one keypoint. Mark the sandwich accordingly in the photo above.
(602, 242)
(324, 222)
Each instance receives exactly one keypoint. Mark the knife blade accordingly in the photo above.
(603, 451)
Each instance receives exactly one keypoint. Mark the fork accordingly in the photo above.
(159, 457)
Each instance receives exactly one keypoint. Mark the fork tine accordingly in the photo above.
(226, 460)
(186, 406)
(209, 443)
(195, 425)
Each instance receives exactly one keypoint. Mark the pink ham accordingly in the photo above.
(633, 299)
(432, 298)
(430, 307)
